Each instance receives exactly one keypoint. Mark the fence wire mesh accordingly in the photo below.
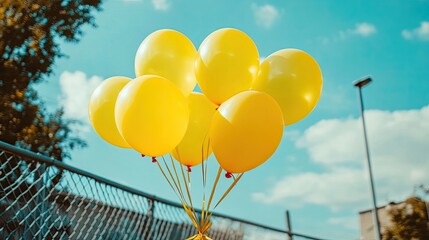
(41, 198)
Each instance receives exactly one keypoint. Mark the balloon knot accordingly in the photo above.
(228, 175)
(154, 159)
(143, 155)
(189, 168)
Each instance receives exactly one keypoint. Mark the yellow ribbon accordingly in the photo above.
(173, 178)
(199, 236)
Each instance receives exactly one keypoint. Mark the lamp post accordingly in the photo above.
(359, 84)
(289, 227)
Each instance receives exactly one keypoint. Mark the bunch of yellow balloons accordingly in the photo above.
(239, 116)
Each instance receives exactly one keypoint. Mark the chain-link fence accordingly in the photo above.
(41, 198)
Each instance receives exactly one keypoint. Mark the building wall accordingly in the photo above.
(367, 221)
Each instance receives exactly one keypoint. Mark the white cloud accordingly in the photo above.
(344, 134)
(161, 5)
(398, 144)
(364, 29)
(319, 189)
(265, 15)
(421, 32)
(361, 30)
(76, 89)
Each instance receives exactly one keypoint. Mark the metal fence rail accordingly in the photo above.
(41, 198)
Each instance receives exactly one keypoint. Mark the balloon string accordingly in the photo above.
(192, 217)
(214, 187)
(205, 155)
(202, 168)
(225, 194)
(175, 172)
(175, 183)
(204, 224)
(171, 178)
(229, 189)
(207, 215)
(187, 189)
(169, 183)
(177, 175)
(202, 220)
(207, 164)
(189, 208)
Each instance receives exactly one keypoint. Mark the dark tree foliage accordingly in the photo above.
(30, 33)
(410, 221)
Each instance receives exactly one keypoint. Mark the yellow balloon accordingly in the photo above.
(194, 147)
(294, 79)
(246, 130)
(101, 110)
(169, 54)
(152, 115)
(228, 63)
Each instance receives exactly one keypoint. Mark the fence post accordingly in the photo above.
(289, 226)
(151, 212)
(41, 185)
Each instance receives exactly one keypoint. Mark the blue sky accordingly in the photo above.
(318, 171)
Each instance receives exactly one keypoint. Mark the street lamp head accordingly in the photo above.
(362, 82)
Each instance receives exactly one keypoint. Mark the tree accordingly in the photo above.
(410, 221)
(30, 32)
